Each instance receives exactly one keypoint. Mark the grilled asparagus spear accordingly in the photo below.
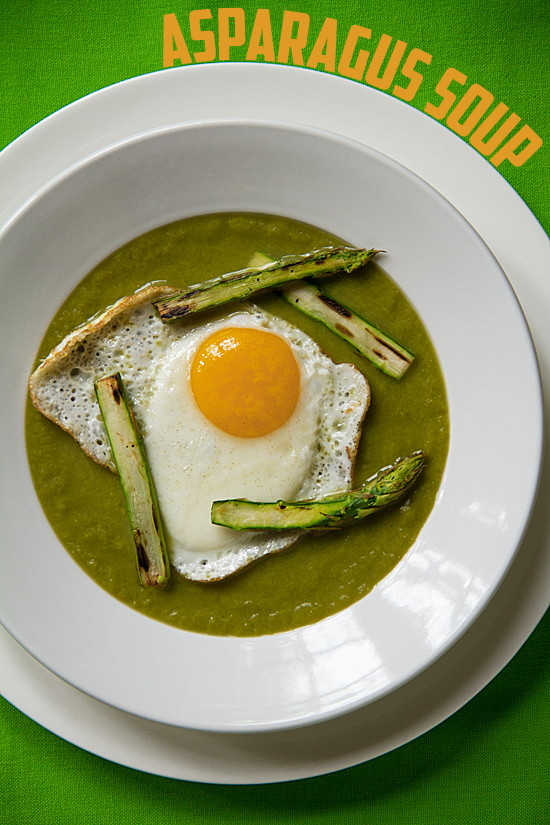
(237, 286)
(129, 453)
(379, 348)
(368, 340)
(327, 513)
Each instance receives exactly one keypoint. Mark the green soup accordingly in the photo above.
(319, 575)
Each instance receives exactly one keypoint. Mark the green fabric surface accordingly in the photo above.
(488, 763)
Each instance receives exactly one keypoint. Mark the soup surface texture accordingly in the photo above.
(319, 575)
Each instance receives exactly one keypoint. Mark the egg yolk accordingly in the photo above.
(245, 381)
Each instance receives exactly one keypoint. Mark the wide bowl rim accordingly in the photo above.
(240, 123)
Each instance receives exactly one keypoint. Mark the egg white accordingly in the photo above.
(193, 462)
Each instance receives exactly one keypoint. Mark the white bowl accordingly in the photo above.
(464, 550)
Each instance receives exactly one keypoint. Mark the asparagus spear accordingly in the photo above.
(129, 453)
(237, 286)
(384, 352)
(327, 513)
(368, 340)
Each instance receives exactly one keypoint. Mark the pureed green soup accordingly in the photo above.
(319, 575)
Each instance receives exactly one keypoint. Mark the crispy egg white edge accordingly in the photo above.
(72, 354)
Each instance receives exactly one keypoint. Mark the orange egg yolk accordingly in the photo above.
(245, 381)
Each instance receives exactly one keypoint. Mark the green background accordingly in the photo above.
(489, 762)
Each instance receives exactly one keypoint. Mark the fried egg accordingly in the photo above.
(241, 405)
